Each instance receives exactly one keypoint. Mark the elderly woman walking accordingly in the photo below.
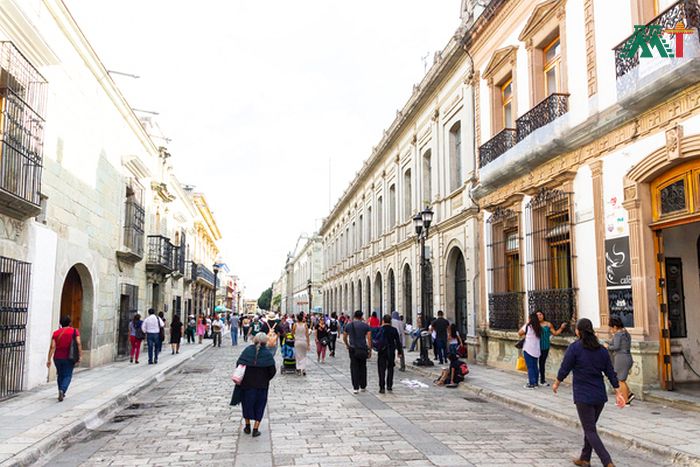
(260, 369)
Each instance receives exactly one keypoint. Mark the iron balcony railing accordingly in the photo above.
(22, 99)
(558, 305)
(506, 310)
(685, 11)
(493, 148)
(160, 253)
(134, 220)
(178, 258)
(205, 274)
(190, 271)
(551, 108)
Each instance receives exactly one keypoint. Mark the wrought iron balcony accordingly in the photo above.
(506, 310)
(493, 148)
(558, 305)
(542, 114)
(684, 11)
(160, 254)
(178, 264)
(134, 216)
(205, 275)
(22, 98)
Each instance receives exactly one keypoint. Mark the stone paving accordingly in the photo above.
(317, 421)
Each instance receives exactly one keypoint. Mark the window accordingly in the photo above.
(507, 103)
(552, 59)
(427, 177)
(353, 236)
(380, 216)
(360, 233)
(407, 193)
(512, 252)
(506, 294)
(676, 193)
(392, 206)
(369, 224)
(455, 153)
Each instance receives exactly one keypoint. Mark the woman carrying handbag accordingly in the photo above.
(66, 351)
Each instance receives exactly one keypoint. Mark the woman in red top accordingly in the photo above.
(60, 348)
(374, 320)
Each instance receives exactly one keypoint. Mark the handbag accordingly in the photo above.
(461, 351)
(74, 350)
(520, 344)
(324, 341)
(520, 365)
(238, 374)
(236, 396)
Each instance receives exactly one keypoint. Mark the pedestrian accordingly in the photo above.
(61, 342)
(175, 334)
(531, 349)
(152, 326)
(216, 328)
(387, 343)
(163, 325)
(454, 339)
(398, 324)
(201, 328)
(301, 343)
(374, 322)
(440, 327)
(333, 327)
(589, 361)
(358, 340)
(548, 330)
(322, 340)
(207, 327)
(621, 356)
(454, 374)
(416, 333)
(228, 320)
(136, 337)
(234, 330)
(260, 369)
(191, 329)
(245, 326)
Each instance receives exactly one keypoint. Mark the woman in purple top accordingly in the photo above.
(589, 360)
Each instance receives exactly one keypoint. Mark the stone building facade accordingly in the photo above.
(93, 223)
(303, 270)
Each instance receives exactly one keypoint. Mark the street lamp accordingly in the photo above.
(421, 222)
(308, 286)
(215, 267)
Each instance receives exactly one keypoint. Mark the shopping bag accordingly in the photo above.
(238, 374)
(520, 364)
(236, 396)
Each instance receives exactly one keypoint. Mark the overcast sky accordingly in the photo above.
(259, 96)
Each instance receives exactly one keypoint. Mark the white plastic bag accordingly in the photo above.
(238, 374)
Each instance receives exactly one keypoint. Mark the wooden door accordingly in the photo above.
(72, 298)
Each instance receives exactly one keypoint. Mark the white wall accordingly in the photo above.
(584, 228)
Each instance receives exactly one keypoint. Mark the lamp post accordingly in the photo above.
(216, 268)
(308, 286)
(421, 222)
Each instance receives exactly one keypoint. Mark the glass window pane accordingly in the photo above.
(552, 52)
(673, 197)
(512, 241)
(507, 116)
(551, 81)
(507, 91)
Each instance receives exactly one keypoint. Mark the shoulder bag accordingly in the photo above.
(74, 350)
(238, 374)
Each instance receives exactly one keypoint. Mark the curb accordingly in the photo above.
(672, 456)
(91, 420)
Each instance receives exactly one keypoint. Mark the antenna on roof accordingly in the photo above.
(425, 61)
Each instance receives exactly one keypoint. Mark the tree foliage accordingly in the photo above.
(277, 301)
(265, 299)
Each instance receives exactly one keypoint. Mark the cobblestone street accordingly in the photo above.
(316, 420)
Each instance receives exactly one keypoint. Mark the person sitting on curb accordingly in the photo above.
(453, 374)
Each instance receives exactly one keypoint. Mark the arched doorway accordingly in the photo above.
(378, 294)
(72, 297)
(368, 301)
(352, 297)
(456, 285)
(407, 294)
(392, 292)
(359, 294)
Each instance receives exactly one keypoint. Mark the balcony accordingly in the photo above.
(204, 275)
(22, 97)
(160, 255)
(497, 145)
(506, 310)
(134, 216)
(548, 110)
(558, 305)
(642, 82)
(178, 261)
(190, 271)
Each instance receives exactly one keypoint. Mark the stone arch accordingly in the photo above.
(407, 287)
(391, 286)
(378, 294)
(456, 289)
(77, 301)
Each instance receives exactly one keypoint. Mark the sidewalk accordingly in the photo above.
(34, 422)
(647, 426)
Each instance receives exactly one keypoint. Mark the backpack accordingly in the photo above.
(463, 369)
(379, 342)
(334, 326)
(138, 332)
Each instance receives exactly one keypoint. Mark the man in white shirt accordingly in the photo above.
(151, 327)
(216, 328)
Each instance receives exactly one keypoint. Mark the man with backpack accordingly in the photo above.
(386, 342)
(358, 340)
(333, 328)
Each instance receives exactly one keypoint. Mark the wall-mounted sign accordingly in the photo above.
(620, 306)
(617, 262)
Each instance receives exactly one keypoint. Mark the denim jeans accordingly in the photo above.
(440, 350)
(153, 340)
(416, 336)
(234, 336)
(64, 370)
(532, 368)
